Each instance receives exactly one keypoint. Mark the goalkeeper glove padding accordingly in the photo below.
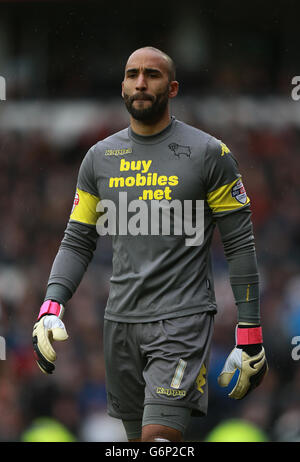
(49, 327)
(249, 357)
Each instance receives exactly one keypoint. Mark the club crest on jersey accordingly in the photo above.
(179, 150)
(238, 192)
(76, 202)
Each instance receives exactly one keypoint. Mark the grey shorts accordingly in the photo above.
(163, 362)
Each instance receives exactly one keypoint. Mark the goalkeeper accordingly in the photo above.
(159, 318)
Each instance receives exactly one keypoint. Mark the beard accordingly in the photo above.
(153, 112)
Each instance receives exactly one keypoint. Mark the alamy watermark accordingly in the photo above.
(296, 90)
(296, 349)
(2, 88)
(2, 98)
(2, 348)
(154, 217)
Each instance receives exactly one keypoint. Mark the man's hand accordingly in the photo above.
(249, 357)
(48, 329)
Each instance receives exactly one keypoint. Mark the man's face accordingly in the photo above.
(146, 88)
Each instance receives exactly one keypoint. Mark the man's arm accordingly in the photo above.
(230, 206)
(80, 237)
(71, 262)
(237, 236)
(73, 257)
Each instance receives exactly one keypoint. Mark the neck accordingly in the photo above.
(146, 129)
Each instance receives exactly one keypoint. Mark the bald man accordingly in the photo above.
(158, 321)
(149, 83)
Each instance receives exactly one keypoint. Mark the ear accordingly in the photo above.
(122, 92)
(173, 88)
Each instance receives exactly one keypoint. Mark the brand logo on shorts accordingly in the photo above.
(201, 379)
(170, 392)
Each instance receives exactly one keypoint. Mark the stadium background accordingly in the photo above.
(63, 64)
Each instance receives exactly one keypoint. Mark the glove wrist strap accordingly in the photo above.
(248, 336)
(50, 307)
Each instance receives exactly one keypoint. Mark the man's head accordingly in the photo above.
(149, 82)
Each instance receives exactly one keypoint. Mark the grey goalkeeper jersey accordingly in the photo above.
(159, 197)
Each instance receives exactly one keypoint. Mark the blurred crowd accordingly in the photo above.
(37, 184)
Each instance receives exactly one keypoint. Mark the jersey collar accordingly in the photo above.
(152, 139)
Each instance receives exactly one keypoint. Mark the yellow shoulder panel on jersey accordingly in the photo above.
(84, 208)
(228, 197)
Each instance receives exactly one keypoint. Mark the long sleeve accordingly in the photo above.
(80, 237)
(230, 207)
(71, 262)
(239, 248)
